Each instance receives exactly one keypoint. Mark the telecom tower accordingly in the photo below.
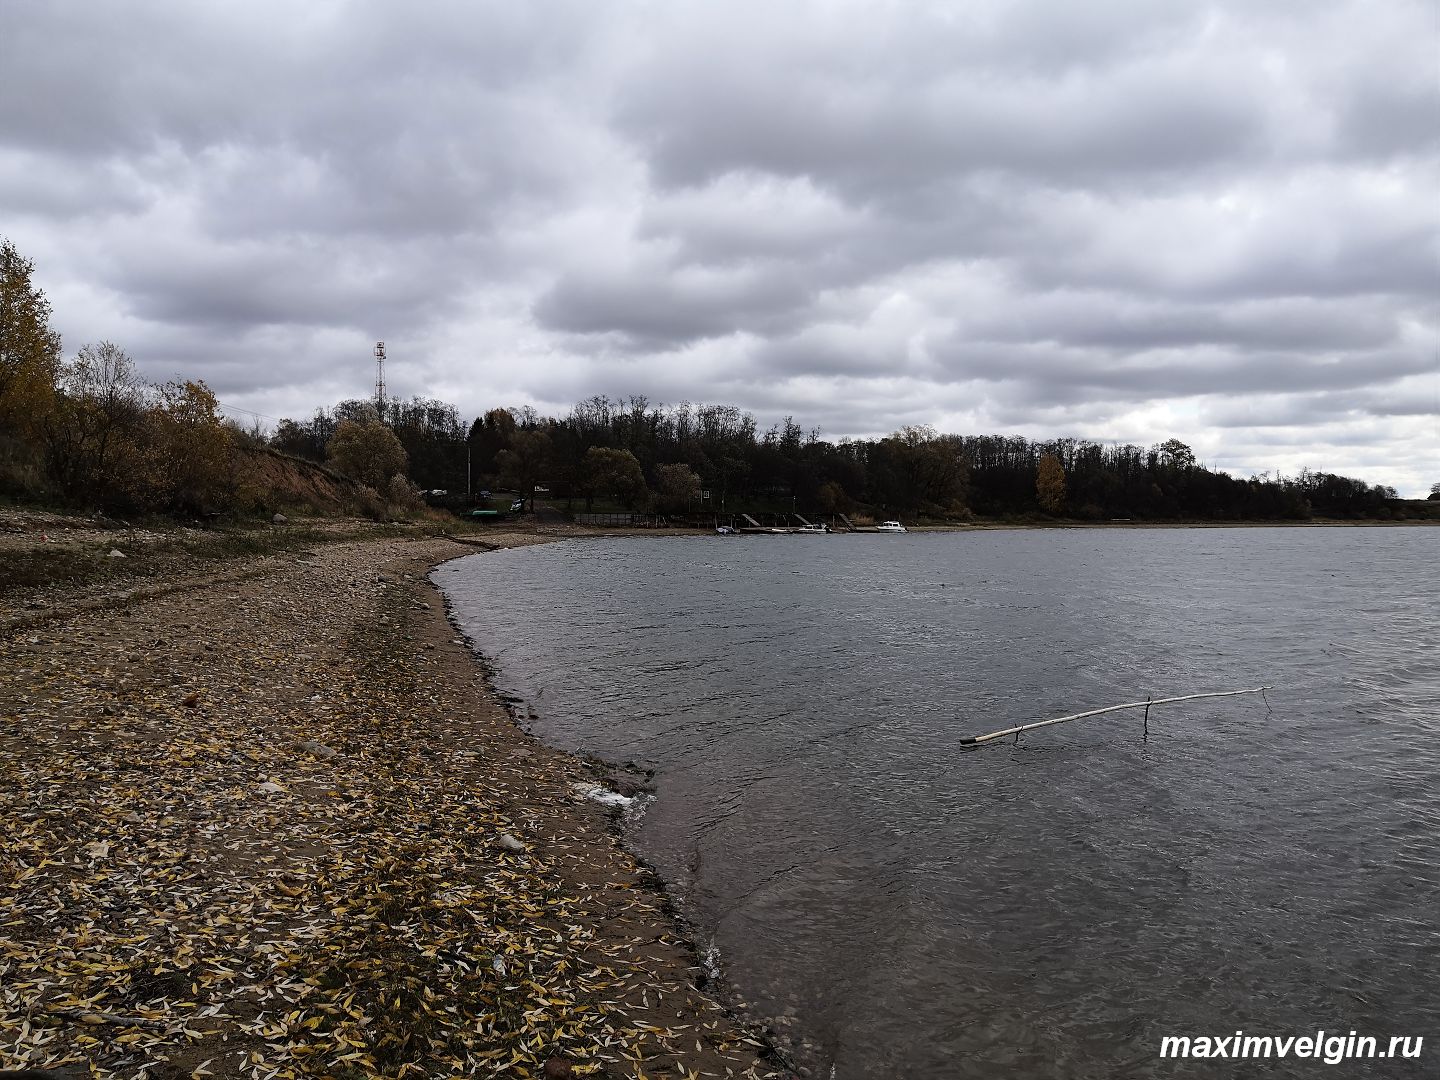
(380, 378)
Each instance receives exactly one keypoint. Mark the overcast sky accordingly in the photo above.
(1115, 219)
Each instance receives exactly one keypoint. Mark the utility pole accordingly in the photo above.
(380, 379)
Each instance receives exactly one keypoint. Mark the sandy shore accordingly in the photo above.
(269, 821)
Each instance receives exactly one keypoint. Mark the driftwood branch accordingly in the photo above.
(976, 740)
(88, 1016)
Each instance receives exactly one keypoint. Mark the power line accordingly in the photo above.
(248, 412)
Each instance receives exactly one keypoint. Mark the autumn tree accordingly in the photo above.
(918, 469)
(29, 348)
(1050, 484)
(676, 486)
(189, 448)
(92, 427)
(615, 473)
(402, 496)
(118, 442)
(366, 451)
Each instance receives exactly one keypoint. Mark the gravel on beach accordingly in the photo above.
(273, 824)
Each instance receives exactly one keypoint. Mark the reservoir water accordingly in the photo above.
(899, 906)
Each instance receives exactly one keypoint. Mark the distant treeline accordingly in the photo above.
(714, 459)
(90, 432)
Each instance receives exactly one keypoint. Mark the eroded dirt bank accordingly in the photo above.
(273, 824)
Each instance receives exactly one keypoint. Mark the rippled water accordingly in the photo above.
(1050, 909)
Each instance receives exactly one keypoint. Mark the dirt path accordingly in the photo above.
(274, 825)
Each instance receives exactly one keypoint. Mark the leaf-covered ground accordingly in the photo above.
(276, 827)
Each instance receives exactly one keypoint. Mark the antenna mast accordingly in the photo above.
(380, 378)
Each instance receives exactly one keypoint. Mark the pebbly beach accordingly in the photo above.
(269, 820)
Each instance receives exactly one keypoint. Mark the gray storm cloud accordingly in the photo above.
(1122, 220)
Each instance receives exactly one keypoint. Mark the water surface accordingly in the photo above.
(1046, 909)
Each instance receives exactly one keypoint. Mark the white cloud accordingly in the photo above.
(1122, 220)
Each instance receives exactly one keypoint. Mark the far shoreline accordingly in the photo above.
(551, 533)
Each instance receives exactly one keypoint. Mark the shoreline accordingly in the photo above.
(624, 784)
(316, 841)
(785, 1049)
(626, 781)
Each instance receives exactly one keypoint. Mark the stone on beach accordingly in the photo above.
(319, 749)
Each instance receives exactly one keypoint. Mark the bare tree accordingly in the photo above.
(102, 402)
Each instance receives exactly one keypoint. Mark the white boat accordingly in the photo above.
(889, 526)
(725, 530)
(812, 529)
